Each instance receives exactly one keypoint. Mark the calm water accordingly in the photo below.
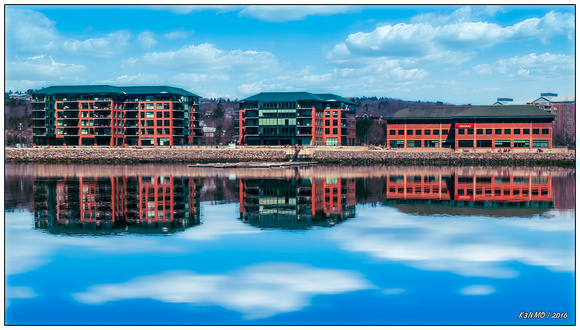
(326, 245)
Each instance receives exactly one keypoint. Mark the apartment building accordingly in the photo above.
(564, 110)
(471, 127)
(115, 204)
(296, 118)
(103, 115)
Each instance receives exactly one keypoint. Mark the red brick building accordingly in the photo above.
(102, 115)
(296, 203)
(296, 118)
(564, 109)
(471, 127)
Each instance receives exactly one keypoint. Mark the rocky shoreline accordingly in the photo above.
(342, 156)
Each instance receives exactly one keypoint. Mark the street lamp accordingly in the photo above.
(20, 140)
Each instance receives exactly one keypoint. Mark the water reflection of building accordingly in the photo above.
(495, 191)
(115, 205)
(296, 203)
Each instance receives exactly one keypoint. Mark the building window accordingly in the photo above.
(502, 143)
(427, 132)
(149, 106)
(150, 131)
(401, 132)
(507, 131)
(418, 132)
(159, 131)
(166, 123)
(159, 114)
(327, 123)
(335, 122)
(166, 131)
(335, 113)
(414, 144)
(397, 144)
(150, 123)
(517, 131)
(498, 131)
(150, 115)
(166, 106)
(392, 132)
(536, 131)
(470, 131)
(526, 131)
(326, 113)
(445, 131)
(159, 106)
(465, 143)
(160, 123)
(335, 131)
(327, 131)
(331, 141)
(435, 132)
(484, 143)
(431, 144)
(479, 131)
(409, 132)
(545, 131)
(488, 131)
(461, 131)
(540, 144)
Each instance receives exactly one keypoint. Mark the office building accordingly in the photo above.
(296, 118)
(103, 115)
(471, 127)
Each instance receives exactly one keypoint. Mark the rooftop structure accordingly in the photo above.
(115, 116)
(296, 118)
(471, 127)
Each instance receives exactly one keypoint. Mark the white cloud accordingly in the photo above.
(140, 79)
(473, 247)
(285, 13)
(43, 68)
(115, 43)
(531, 66)
(477, 290)
(178, 34)
(146, 40)
(30, 31)
(207, 58)
(257, 291)
(187, 9)
(429, 35)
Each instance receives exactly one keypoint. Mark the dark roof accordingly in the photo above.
(107, 89)
(507, 111)
(296, 96)
(79, 89)
(334, 98)
(283, 97)
(480, 111)
(156, 90)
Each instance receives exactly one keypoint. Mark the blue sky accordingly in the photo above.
(456, 54)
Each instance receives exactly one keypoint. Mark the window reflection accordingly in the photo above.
(115, 205)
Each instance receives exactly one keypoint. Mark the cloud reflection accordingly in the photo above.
(257, 291)
(468, 247)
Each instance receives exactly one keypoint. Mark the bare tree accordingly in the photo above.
(376, 134)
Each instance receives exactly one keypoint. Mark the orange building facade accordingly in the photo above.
(116, 202)
(471, 127)
(115, 116)
(296, 118)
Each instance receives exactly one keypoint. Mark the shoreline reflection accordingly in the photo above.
(168, 201)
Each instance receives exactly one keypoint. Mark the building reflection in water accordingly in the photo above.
(121, 203)
(473, 192)
(296, 203)
(115, 205)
